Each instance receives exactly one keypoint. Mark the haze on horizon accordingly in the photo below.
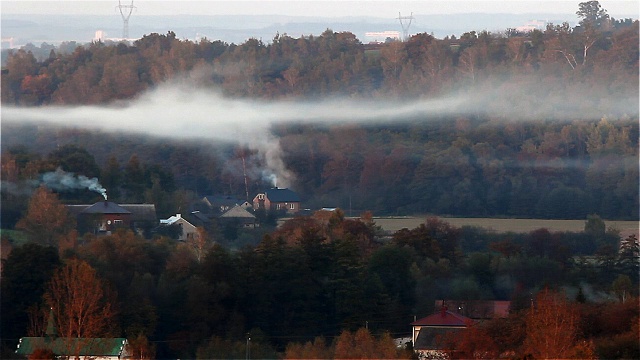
(315, 8)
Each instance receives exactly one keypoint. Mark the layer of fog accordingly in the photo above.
(183, 111)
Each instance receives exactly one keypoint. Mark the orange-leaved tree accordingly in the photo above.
(552, 328)
(363, 345)
(81, 303)
(47, 219)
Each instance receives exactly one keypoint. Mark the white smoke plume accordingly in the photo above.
(61, 180)
(182, 111)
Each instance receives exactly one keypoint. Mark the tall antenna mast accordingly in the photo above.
(244, 172)
(125, 11)
(405, 26)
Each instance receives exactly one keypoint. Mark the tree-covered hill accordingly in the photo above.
(540, 124)
(543, 124)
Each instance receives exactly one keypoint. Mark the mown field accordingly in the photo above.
(393, 224)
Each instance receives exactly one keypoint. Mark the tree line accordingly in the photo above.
(332, 285)
(599, 49)
(468, 164)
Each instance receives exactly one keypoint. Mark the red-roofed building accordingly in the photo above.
(429, 332)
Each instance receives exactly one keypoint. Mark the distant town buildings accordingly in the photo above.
(381, 36)
(533, 25)
(101, 36)
(7, 43)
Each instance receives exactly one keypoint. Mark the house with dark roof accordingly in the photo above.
(197, 218)
(276, 199)
(429, 333)
(104, 217)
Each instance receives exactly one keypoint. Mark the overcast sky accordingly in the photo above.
(332, 8)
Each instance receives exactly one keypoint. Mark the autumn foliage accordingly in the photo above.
(552, 327)
(359, 345)
(47, 219)
(331, 272)
(81, 303)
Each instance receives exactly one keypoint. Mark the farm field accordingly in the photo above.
(393, 224)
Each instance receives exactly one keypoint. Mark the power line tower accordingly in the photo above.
(405, 25)
(125, 11)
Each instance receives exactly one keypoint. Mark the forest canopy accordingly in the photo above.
(536, 124)
(542, 124)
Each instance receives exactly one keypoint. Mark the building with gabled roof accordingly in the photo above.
(239, 215)
(188, 231)
(104, 217)
(276, 199)
(218, 204)
(429, 332)
(105, 207)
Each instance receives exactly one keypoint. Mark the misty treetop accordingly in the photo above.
(538, 124)
(599, 54)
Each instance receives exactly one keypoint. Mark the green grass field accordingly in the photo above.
(393, 224)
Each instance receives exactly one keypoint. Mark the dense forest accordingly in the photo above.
(544, 125)
(556, 135)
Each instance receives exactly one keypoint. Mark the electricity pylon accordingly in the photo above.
(125, 11)
(405, 26)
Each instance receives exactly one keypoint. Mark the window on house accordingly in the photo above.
(292, 206)
(117, 222)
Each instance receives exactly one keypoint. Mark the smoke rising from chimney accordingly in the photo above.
(61, 180)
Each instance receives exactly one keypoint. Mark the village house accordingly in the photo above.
(276, 199)
(429, 334)
(239, 216)
(188, 231)
(104, 217)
